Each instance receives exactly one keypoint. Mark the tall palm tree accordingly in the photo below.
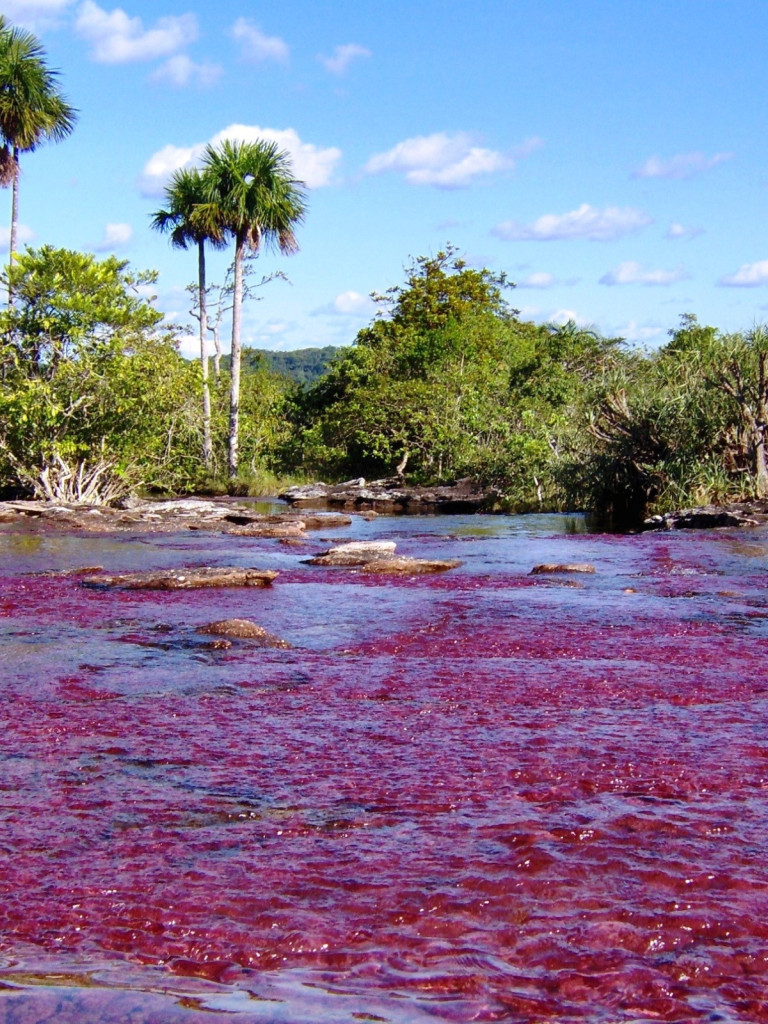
(183, 195)
(253, 199)
(32, 110)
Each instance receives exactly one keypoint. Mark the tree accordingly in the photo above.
(183, 195)
(32, 110)
(253, 199)
(89, 377)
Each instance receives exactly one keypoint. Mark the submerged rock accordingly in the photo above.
(555, 567)
(243, 629)
(183, 579)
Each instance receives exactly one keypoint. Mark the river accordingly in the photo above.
(475, 796)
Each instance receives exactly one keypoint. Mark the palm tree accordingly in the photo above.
(183, 195)
(32, 110)
(252, 198)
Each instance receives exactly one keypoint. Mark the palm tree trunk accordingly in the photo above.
(207, 443)
(234, 394)
(14, 218)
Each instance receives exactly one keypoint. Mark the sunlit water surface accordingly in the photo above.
(478, 796)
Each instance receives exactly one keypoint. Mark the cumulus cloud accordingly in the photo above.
(749, 275)
(443, 159)
(116, 236)
(631, 272)
(586, 222)
(564, 316)
(35, 14)
(23, 235)
(116, 38)
(677, 231)
(538, 279)
(343, 57)
(348, 304)
(182, 70)
(684, 165)
(314, 165)
(255, 45)
(638, 332)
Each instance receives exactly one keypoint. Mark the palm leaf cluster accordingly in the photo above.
(32, 108)
(245, 193)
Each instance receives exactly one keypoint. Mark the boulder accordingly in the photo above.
(243, 629)
(183, 579)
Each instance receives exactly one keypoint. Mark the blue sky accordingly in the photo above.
(610, 155)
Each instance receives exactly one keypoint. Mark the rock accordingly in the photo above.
(243, 629)
(393, 495)
(555, 567)
(706, 517)
(357, 552)
(183, 579)
(404, 566)
(291, 529)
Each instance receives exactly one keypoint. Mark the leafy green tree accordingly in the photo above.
(32, 110)
(90, 377)
(254, 200)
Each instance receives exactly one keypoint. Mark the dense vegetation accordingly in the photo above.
(301, 365)
(446, 382)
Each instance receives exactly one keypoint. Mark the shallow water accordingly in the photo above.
(479, 796)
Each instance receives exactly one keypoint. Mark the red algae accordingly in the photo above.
(470, 797)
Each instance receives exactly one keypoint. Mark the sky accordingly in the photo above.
(611, 156)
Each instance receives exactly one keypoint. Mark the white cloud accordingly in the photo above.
(563, 316)
(677, 231)
(343, 57)
(311, 164)
(23, 235)
(116, 38)
(636, 332)
(586, 222)
(35, 14)
(348, 304)
(631, 272)
(538, 279)
(182, 70)
(749, 275)
(443, 159)
(255, 45)
(684, 165)
(116, 236)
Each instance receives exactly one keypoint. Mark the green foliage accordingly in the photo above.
(301, 365)
(448, 383)
(87, 373)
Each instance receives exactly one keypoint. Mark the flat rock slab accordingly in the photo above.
(295, 528)
(243, 629)
(393, 495)
(183, 579)
(403, 566)
(356, 552)
(708, 517)
(555, 567)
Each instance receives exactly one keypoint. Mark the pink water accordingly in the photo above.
(480, 796)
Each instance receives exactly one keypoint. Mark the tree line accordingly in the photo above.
(446, 382)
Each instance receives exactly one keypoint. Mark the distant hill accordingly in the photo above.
(302, 365)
